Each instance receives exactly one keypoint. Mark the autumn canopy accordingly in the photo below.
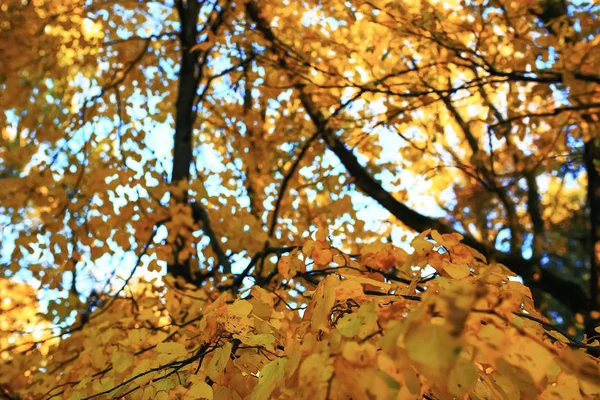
(283, 199)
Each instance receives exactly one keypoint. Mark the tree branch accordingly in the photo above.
(592, 158)
(516, 236)
(286, 180)
(568, 292)
(535, 213)
(200, 214)
(190, 76)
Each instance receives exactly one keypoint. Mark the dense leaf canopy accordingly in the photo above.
(317, 199)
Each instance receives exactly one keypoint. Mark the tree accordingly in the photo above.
(197, 195)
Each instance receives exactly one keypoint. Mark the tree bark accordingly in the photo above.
(185, 114)
(592, 164)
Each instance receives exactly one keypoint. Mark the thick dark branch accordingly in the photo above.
(6, 394)
(592, 161)
(535, 213)
(568, 292)
(370, 186)
(190, 76)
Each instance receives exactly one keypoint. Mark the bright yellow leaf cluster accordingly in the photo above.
(471, 334)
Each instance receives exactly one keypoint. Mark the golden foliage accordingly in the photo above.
(476, 335)
(315, 129)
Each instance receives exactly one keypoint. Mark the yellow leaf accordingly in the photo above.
(462, 254)
(433, 347)
(149, 393)
(412, 382)
(167, 383)
(462, 378)
(448, 240)
(385, 260)
(361, 354)
(323, 301)
(315, 371)
(308, 247)
(491, 336)
(103, 384)
(530, 356)
(361, 323)
(373, 248)
(558, 336)
(121, 360)
(421, 245)
(505, 386)
(455, 270)
(259, 339)
(170, 351)
(237, 317)
(368, 281)
(162, 395)
(561, 392)
(262, 295)
(322, 256)
(483, 391)
(348, 289)
(219, 361)
(240, 308)
(322, 233)
(199, 390)
(285, 267)
(271, 376)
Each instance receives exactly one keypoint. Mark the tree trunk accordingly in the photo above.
(592, 164)
(185, 113)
